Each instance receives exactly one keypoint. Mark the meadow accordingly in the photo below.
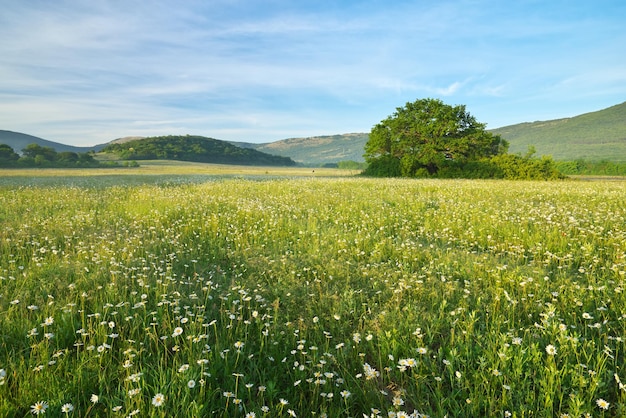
(307, 294)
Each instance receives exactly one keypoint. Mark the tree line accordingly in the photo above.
(35, 155)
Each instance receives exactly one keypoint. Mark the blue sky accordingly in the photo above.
(87, 72)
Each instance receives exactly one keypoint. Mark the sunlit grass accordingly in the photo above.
(297, 296)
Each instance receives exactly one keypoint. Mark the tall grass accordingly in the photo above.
(313, 297)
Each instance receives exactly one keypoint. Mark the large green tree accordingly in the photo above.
(425, 136)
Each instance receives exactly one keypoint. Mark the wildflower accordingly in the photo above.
(239, 345)
(191, 384)
(345, 394)
(397, 401)
(422, 350)
(551, 350)
(134, 392)
(602, 404)
(291, 412)
(67, 408)
(283, 401)
(370, 372)
(48, 321)
(183, 368)
(39, 408)
(177, 332)
(158, 399)
(517, 341)
(250, 415)
(407, 362)
(94, 398)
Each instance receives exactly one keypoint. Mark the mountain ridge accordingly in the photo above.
(593, 136)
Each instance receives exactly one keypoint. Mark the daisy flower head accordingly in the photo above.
(158, 399)
(67, 408)
(602, 404)
(39, 408)
(550, 349)
(177, 332)
(94, 398)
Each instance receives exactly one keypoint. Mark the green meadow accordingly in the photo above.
(194, 290)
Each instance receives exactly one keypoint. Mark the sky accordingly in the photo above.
(87, 72)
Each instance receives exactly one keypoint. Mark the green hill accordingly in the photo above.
(317, 150)
(591, 136)
(193, 148)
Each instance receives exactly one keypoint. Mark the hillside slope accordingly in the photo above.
(591, 136)
(317, 150)
(192, 148)
(18, 141)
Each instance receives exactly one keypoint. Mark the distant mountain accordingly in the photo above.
(316, 150)
(591, 136)
(18, 141)
(192, 148)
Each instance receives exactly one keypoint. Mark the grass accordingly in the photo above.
(310, 295)
(595, 136)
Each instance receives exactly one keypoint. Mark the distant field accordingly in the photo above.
(159, 171)
(187, 290)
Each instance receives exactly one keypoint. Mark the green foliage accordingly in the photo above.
(351, 165)
(35, 155)
(193, 148)
(342, 296)
(600, 168)
(427, 136)
(8, 157)
(430, 139)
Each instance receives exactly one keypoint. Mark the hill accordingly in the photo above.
(591, 136)
(192, 148)
(317, 150)
(18, 141)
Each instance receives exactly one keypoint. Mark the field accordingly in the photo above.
(183, 292)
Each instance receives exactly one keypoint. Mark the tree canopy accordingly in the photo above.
(426, 136)
(193, 148)
(34, 155)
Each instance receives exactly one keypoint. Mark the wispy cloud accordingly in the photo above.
(86, 72)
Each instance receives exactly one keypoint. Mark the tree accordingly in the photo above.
(34, 150)
(425, 136)
(8, 157)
